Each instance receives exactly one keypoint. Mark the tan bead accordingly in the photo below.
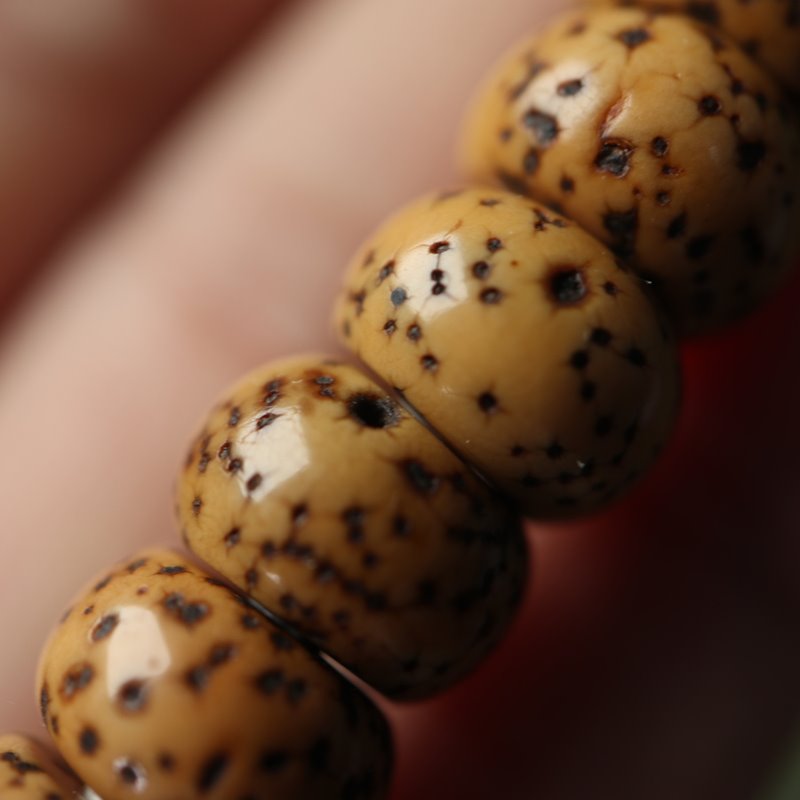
(161, 683)
(314, 491)
(29, 772)
(520, 339)
(767, 30)
(662, 139)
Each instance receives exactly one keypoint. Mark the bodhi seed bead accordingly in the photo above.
(321, 497)
(521, 341)
(663, 139)
(767, 30)
(29, 772)
(160, 682)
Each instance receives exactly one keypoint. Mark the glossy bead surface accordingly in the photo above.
(29, 772)
(314, 491)
(661, 138)
(767, 30)
(161, 683)
(518, 337)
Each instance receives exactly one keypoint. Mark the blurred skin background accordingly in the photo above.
(181, 183)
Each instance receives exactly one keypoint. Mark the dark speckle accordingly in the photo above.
(554, 451)
(439, 247)
(610, 288)
(270, 681)
(419, 477)
(663, 198)
(677, 226)
(569, 88)
(531, 161)
(588, 390)
(233, 537)
(385, 271)
(636, 357)
(265, 420)
(481, 270)
(235, 416)
(189, 613)
(105, 627)
(429, 362)
(579, 359)
(699, 246)
(567, 286)
(600, 336)
(614, 157)
(750, 155)
(493, 244)
(659, 146)
(491, 296)
(76, 680)
(709, 105)
(544, 126)
(273, 761)
(373, 411)
(390, 326)
(634, 37)
(88, 741)
(211, 772)
(398, 296)
(622, 226)
(197, 504)
(414, 332)
(172, 570)
(296, 690)
(132, 696)
(487, 403)
(567, 185)
(254, 481)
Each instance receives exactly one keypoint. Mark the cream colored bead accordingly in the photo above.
(321, 497)
(661, 138)
(162, 684)
(521, 341)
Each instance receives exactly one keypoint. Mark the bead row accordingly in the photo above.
(520, 366)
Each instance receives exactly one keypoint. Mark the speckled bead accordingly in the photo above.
(521, 340)
(160, 683)
(767, 30)
(29, 772)
(661, 138)
(314, 491)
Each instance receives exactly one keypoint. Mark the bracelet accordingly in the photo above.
(376, 519)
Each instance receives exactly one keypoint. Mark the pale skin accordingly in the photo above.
(656, 655)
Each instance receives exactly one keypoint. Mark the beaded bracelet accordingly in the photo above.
(376, 519)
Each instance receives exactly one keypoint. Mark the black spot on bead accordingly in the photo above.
(622, 226)
(76, 680)
(265, 420)
(211, 772)
(270, 681)
(233, 537)
(569, 88)
(188, 613)
(390, 327)
(750, 155)
(699, 246)
(636, 357)
(254, 481)
(610, 288)
(588, 390)
(419, 477)
(398, 296)
(491, 296)
(172, 570)
(554, 451)
(544, 126)
(439, 247)
(677, 226)
(414, 332)
(579, 359)
(567, 185)
(88, 741)
(132, 696)
(600, 337)
(634, 37)
(373, 411)
(663, 198)
(614, 157)
(709, 105)
(197, 504)
(481, 270)
(567, 286)
(384, 272)
(493, 244)
(487, 403)
(235, 416)
(296, 690)
(659, 146)
(105, 627)
(531, 161)
(429, 362)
